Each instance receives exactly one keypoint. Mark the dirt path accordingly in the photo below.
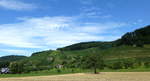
(105, 76)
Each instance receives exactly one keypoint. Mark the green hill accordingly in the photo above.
(138, 37)
(132, 49)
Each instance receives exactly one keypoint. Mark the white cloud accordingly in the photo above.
(16, 5)
(13, 36)
(14, 51)
(53, 32)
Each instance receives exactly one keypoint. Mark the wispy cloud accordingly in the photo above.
(90, 10)
(87, 2)
(16, 5)
(13, 51)
(53, 32)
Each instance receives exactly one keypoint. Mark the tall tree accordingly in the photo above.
(16, 67)
(95, 61)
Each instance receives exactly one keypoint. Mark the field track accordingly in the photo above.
(105, 76)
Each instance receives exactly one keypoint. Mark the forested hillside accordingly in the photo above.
(138, 38)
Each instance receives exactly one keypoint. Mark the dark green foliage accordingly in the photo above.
(144, 34)
(86, 45)
(11, 58)
(132, 39)
(147, 64)
(138, 38)
(128, 64)
(94, 61)
(42, 52)
(16, 67)
(5, 60)
(59, 70)
(117, 65)
(4, 64)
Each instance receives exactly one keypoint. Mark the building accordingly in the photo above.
(4, 71)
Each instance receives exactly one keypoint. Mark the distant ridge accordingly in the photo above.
(138, 37)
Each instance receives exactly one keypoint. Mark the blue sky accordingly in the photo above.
(28, 26)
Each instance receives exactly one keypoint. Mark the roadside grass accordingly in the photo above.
(46, 72)
(70, 71)
(141, 69)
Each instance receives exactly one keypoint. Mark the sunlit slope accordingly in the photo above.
(115, 52)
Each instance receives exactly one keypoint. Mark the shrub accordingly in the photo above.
(117, 65)
(147, 64)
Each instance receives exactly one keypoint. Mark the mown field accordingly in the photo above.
(104, 76)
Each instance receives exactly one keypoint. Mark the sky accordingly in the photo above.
(28, 26)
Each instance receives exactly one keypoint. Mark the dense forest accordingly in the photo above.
(132, 50)
(137, 38)
(6, 60)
